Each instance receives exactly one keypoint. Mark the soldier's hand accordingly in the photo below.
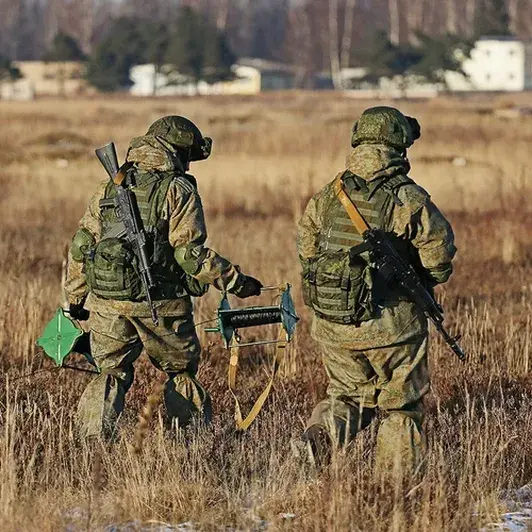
(77, 312)
(247, 286)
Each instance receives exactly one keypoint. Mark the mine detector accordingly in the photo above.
(64, 335)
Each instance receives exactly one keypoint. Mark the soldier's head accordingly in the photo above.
(386, 125)
(184, 136)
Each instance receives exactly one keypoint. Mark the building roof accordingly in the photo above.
(265, 65)
(511, 38)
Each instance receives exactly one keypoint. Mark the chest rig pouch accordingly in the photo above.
(112, 267)
(339, 285)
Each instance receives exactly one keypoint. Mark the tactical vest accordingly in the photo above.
(339, 288)
(111, 271)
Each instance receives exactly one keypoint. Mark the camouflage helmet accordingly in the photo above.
(184, 134)
(385, 125)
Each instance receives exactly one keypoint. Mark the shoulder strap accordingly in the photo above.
(358, 220)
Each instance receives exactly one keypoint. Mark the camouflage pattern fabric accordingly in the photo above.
(180, 132)
(385, 125)
(393, 378)
(121, 329)
(116, 343)
(187, 235)
(383, 362)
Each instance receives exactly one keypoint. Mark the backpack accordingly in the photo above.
(112, 269)
(337, 285)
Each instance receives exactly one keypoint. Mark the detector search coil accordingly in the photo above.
(230, 320)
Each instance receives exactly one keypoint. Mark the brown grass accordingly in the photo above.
(271, 154)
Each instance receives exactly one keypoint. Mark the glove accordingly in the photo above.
(77, 312)
(246, 286)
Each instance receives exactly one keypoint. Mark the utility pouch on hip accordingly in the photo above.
(339, 288)
(111, 272)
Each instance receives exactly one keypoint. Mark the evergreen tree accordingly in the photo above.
(8, 71)
(185, 52)
(493, 18)
(218, 57)
(439, 56)
(64, 48)
(429, 60)
(156, 38)
(122, 48)
(198, 50)
(387, 59)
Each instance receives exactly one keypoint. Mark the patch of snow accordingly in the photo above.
(519, 516)
(459, 161)
(287, 516)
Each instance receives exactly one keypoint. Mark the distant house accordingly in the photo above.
(19, 89)
(251, 76)
(262, 75)
(496, 64)
(54, 78)
(146, 81)
(352, 78)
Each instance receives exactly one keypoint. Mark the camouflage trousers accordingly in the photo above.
(393, 379)
(116, 343)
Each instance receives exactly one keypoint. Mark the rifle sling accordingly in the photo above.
(121, 175)
(358, 220)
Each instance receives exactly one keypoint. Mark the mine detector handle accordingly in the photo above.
(128, 214)
(395, 270)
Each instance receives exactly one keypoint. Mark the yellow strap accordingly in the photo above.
(241, 423)
(121, 175)
(352, 210)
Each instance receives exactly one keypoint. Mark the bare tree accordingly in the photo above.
(513, 14)
(452, 17)
(347, 38)
(301, 45)
(10, 19)
(395, 21)
(51, 21)
(87, 25)
(334, 53)
(414, 18)
(470, 14)
(222, 15)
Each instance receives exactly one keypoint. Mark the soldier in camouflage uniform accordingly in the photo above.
(375, 360)
(97, 280)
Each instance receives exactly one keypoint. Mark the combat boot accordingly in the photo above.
(320, 444)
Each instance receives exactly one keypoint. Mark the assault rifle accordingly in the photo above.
(396, 271)
(128, 213)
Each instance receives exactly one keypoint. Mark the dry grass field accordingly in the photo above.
(270, 155)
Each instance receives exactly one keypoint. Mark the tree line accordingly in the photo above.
(200, 39)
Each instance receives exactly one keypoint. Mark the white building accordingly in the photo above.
(251, 76)
(496, 64)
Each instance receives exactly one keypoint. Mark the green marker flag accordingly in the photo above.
(59, 337)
